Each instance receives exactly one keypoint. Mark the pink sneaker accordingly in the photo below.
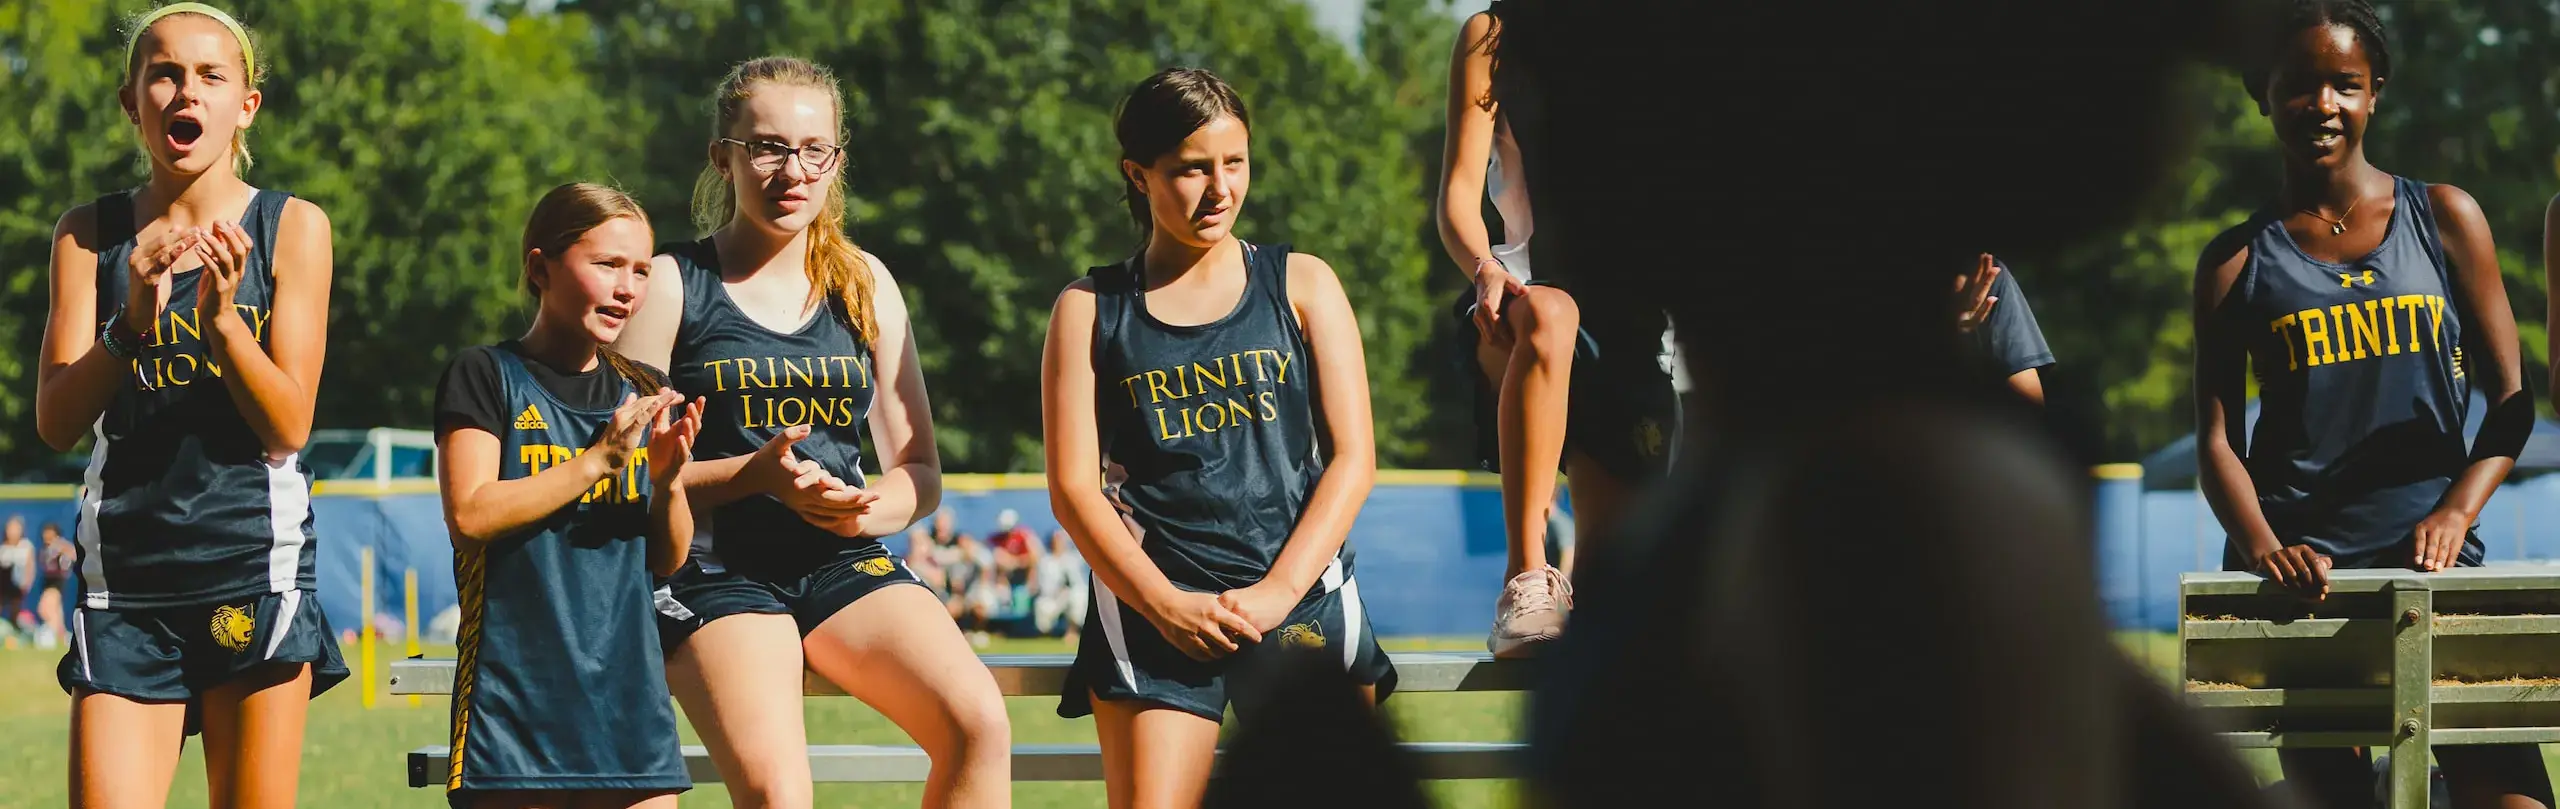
(1531, 612)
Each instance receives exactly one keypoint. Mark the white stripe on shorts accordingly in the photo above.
(665, 598)
(80, 640)
(1351, 623)
(93, 559)
(1114, 635)
(288, 504)
(284, 621)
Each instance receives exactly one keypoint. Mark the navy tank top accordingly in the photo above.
(753, 383)
(1215, 424)
(180, 506)
(2361, 390)
(569, 638)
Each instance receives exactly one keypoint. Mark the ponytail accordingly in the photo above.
(838, 269)
(639, 376)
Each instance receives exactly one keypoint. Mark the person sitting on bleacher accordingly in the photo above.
(980, 592)
(920, 559)
(55, 558)
(1016, 553)
(1061, 588)
(17, 575)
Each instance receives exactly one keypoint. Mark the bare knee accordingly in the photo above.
(768, 784)
(1544, 321)
(978, 729)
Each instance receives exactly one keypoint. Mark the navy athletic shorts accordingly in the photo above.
(1120, 656)
(176, 654)
(699, 594)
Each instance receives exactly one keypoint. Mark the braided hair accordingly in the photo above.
(2291, 17)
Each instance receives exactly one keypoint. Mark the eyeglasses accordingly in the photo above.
(767, 156)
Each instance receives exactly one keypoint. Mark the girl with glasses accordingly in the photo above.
(796, 342)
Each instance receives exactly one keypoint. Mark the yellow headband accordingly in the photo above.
(248, 53)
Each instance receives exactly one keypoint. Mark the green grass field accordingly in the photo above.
(353, 757)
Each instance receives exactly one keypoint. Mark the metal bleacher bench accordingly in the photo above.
(1020, 675)
(2393, 660)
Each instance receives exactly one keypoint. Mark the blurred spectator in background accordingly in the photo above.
(55, 558)
(972, 595)
(1061, 588)
(954, 569)
(1014, 545)
(1801, 634)
(2001, 338)
(922, 560)
(17, 575)
(1016, 552)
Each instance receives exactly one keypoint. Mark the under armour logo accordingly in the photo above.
(2346, 280)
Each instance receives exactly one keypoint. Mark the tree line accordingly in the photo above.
(982, 171)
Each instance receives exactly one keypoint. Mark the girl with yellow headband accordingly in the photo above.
(188, 321)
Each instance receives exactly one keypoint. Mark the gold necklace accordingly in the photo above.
(2338, 225)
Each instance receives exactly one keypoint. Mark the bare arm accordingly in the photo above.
(670, 515)
(670, 529)
(1468, 144)
(649, 335)
(77, 379)
(1351, 464)
(275, 386)
(2028, 384)
(1073, 454)
(2221, 391)
(2496, 368)
(649, 338)
(479, 508)
(2551, 283)
(910, 481)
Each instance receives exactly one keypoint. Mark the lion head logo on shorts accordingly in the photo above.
(1302, 636)
(231, 627)
(1648, 436)
(877, 566)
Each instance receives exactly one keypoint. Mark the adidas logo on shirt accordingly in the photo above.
(530, 419)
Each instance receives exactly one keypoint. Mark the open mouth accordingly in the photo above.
(617, 313)
(183, 133)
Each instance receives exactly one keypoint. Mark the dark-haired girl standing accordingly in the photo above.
(2369, 307)
(1226, 380)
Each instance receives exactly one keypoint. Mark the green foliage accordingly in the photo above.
(427, 147)
(983, 169)
(983, 173)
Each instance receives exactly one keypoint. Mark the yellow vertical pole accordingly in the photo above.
(364, 634)
(410, 584)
